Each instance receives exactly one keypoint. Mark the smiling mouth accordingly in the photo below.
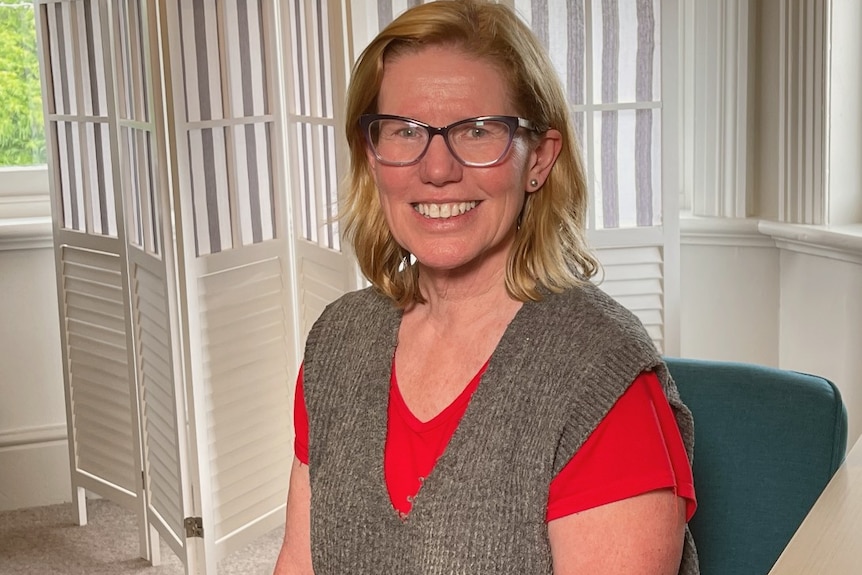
(443, 211)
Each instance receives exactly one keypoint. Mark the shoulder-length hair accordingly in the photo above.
(550, 250)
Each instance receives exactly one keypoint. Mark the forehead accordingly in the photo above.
(442, 84)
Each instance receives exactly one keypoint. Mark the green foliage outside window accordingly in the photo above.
(22, 137)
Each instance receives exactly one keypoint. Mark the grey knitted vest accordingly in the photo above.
(558, 369)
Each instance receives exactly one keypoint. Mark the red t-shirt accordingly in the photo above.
(636, 448)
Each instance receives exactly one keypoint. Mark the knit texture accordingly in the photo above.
(561, 365)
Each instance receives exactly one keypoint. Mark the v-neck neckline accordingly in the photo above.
(478, 401)
(457, 405)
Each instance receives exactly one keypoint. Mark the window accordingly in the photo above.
(22, 137)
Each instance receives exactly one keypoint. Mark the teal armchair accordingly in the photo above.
(767, 441)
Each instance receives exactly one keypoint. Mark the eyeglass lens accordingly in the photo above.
(475, 142)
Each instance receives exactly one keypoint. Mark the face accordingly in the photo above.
(452, 217)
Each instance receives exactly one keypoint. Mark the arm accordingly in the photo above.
(641, 535)
(295, 555)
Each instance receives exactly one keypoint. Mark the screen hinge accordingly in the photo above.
(194, 527)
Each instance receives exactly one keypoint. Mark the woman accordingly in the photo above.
(483, 408)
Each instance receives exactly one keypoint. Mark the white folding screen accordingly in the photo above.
(171, 245)
(90, 254)
(236, 281)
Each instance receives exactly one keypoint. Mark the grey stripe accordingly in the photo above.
(91, 56)
(577, 53)
(151, 189)
(135, 183)
(139, 27)
(306, 186)
(245, 63)
(264, 76)
(193, 185)
(253, 182)
(643, 118)
(73, 181)
(610, 124)
(61, 51)
(271, 189)
(125, 56)
(203, 61)
(412, 3)
(539, 23)
(384, 13)
(184, 71)
(210, 188)
(100, 171)
(327, 182)
(300, 54)
(322, 49)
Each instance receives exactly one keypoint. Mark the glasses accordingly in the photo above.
(476, 142)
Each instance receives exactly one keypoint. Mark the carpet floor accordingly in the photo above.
(45, 540)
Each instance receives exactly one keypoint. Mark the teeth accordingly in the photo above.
(443, 211)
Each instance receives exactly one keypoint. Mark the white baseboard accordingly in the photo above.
(32, 435)
(35, 467)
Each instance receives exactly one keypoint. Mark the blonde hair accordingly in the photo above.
(550, 250)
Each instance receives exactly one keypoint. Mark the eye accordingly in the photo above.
(481, 130)
(407, 132)
(478, 132)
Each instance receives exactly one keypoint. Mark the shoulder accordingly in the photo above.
(586, 312)
(363, 300)
(355, 323)
(354, 311)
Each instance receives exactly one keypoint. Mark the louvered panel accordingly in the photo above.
(634, 276)
(245, 367)
(236, 360)
(159, 403)
(319, 286)
(219, 317)
(267, 325)
(98, 366)
(96, 310)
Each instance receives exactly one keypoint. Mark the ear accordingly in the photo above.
(542, 158)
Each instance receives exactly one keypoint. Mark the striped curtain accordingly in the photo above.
(607, 53)
(226, 51)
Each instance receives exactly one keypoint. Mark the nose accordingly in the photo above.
(438, 166)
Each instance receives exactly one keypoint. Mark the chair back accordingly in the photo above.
(767, 441)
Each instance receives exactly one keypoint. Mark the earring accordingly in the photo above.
(534, 183)
(406, 261)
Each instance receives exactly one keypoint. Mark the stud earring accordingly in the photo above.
(534, 183)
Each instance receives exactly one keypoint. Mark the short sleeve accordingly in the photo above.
(636, 448)
(300, 422)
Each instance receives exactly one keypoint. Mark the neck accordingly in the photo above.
(454, 297)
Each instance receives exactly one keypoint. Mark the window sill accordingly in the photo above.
(25, 208)
(842, 243)
(25, 233)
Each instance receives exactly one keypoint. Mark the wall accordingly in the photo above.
(776, 296)
(821, 324)
(34, 460)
